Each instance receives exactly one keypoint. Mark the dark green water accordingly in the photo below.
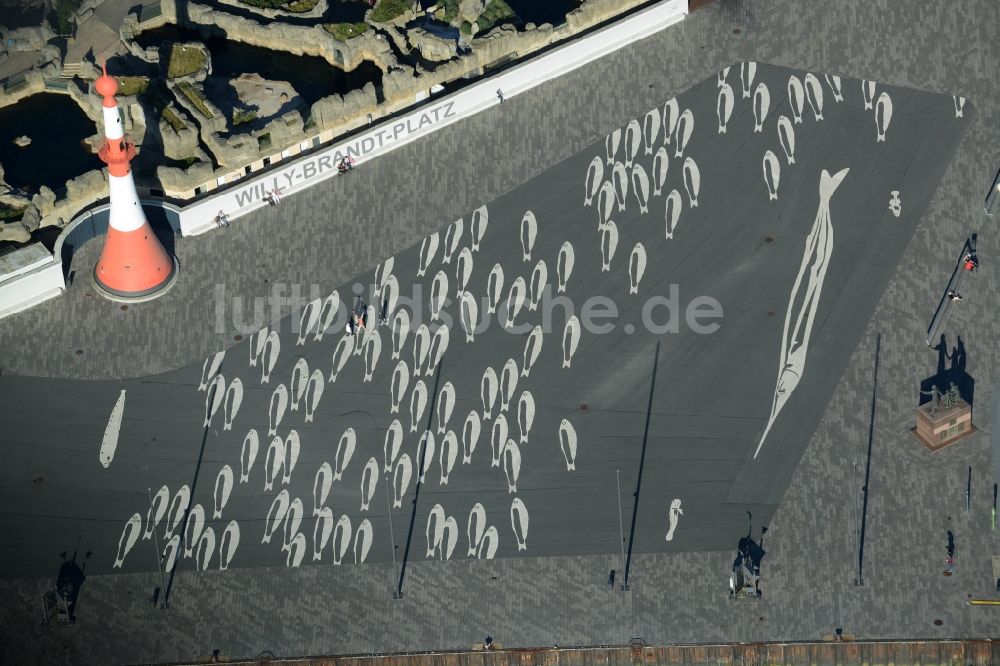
(57, 128)
(312, 77)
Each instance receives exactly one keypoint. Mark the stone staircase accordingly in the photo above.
(72, 69)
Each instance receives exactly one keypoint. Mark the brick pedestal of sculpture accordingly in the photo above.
(939, 428)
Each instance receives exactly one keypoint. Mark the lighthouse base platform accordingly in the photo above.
(136, 296)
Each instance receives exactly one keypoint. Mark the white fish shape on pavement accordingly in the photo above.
(532, 348)
(435, 529)
(606, 198)
(592, 183)
(133, 528)
(341, 354)
(675, 513)
(421, 345)
(494, 286)
(796, 98)
(883, 116)
(611, 143)
(685, 126)
(425, 454)
(169, 555)
(193, 528)
(609, 242)
(529, 230)
(498, 439)
(633, 139)
(345, 450)
(571, 338)
(463, 270)
(567, 442)
(747, 71)
(292, 445)
(373, 348)
(475, 527)
(525, 414)
(640, 187)
(868, 91)
(439, 345)
(257, 341)
(314, 389)
(321, 532)
(480, 220)
(300, 378)
(157, 508)
(488, 392)
(519, 523)
(328, 311)
(692, 181)
(449, 538)
(362, 541)
(428, 248)
(293, 520)
(205, 548)
(109, 443)
(308, 320)
(672, 212)
(445, 404)
(761, 105)
(390, 295)
(786, 137)
(515, 300)
(223, 488)
(539, 280)
(833, 81)
(724, 106)
(369, 482)
(468, 315)
(397, 387)
(636, 267)
(296, 551)
(248, 454)
(276, 410)
(213, 398)
(178, 505)
(418, 401)
(439, 293)
(401, 475)
(452, 239)
(722, 75)
(959, 106)
(228, 544)
(393, 444)
(269, 357)
(508, 383)
(321, 487)
(470, 436)
(512, 464)
(814, 95)
(619, 179)
(488, 544)
(661, 164)
(651, 130)
(772, 174)
(274, 461)
(564, 265)
(803, 303)
(671, 112)
(211, 366)
(448, 455)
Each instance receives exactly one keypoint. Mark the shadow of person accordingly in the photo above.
(942, 349)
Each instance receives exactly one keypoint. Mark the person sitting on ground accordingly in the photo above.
(954, 296)
(971, 262)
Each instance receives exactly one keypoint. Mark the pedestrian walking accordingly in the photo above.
(500, 95)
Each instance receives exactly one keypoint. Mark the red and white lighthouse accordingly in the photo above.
(133, 263)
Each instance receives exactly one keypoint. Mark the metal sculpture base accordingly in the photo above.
(941, 427)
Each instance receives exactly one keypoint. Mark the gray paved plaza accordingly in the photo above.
(330, 234)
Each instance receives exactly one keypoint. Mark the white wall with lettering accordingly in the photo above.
(309, 170)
